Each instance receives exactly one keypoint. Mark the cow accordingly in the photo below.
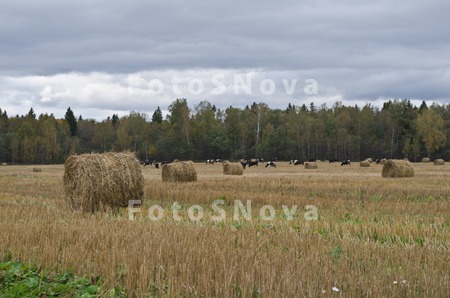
(156, 165)
(146, 162)
(244, 163)
(252, 162)
(210, 161)
(345, 162)
(296, 162)
(271, 164)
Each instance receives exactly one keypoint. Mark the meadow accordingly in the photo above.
(374, 237)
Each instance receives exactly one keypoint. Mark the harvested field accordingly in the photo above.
(374, 237)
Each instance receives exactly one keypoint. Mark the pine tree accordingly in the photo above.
(157, 116)
(115, 119)
(71, 121)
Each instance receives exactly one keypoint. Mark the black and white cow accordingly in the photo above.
(296, 162)
(252, 162)
(146, 162)
(345, 162)
(210, 161)
(271, 164)
(244, 163)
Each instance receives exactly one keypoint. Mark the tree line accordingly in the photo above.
(396, 130)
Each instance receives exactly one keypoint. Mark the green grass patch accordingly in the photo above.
(25, 280)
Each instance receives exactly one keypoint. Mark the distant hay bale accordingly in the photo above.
(394, 168)
(176, 160)
(364, 164)
(182, 171)
(426, 159)
(383, 161)
(310, 165)
(439, 162)
(4, 164)
(232, 168)
(370, 160)
(36, 170)
(95, 181)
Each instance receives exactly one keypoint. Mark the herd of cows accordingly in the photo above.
(252, 162)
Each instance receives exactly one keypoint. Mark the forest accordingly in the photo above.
(398, 129)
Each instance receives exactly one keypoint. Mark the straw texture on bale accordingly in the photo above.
(310, 165)
(397, 169)
(364, 164)
(36, 170)
(426, 159)
(183, 171)
(233, 168)
(95, 181)
(439, 162)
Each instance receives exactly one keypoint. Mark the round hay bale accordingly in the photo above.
(310, 165)
(426, 159)
(364, 164)
(182, 171)
(95, 181)
(176, 160)
(37, 170)
(370, 160)
(234, 168)
(394, 168)
(4, 164)
(439, 162)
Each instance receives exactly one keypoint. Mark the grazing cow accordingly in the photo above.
(156, 165)
(345, 162)
(271, 164)
(296, 162)
(252, 162)
(218, 160)
(146, 162)
(244, 163)
(210, 161)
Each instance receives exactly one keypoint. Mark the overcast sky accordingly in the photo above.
(103, 57)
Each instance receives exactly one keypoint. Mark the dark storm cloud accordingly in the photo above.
(355, 49)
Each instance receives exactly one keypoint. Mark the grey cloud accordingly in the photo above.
(355, 50)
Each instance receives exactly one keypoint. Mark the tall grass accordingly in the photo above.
(374, 237)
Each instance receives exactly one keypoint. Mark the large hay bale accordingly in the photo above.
(364, 164)
(426, 159)
(394, 168)
(234, 168)
(182, 171)
(37, 170)
(439, 162)
(310, 165)
(95, 181)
